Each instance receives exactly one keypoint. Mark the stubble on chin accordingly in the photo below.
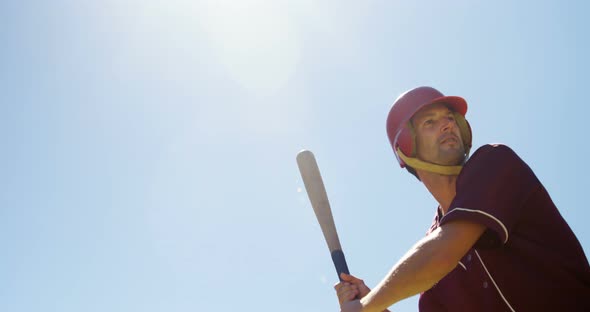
(452, 157)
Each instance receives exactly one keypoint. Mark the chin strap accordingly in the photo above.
(430, 167)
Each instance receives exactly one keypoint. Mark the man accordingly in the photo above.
(498, 243)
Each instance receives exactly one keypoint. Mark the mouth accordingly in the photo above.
(449, 139)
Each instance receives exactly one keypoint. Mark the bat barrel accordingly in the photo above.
(318, 197)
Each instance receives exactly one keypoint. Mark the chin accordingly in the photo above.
(453, 159)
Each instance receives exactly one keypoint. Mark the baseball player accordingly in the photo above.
(497, 243)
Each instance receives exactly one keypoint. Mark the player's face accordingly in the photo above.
(438, 138)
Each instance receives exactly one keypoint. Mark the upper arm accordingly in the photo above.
(456, 238)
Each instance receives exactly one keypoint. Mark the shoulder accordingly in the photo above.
(492, 153)
(493, 161)
(494, 149)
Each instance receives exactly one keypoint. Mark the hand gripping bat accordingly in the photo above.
(319, 201)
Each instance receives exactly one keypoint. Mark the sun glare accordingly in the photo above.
(255, 41)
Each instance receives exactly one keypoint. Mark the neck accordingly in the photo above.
(442, 187)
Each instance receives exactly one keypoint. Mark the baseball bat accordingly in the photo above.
(316, 191)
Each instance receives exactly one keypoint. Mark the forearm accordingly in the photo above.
(424, 265)
(418, 270)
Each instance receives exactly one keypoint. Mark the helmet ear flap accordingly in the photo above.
(465, 130)
(407, 140)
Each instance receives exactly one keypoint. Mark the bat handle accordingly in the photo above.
(339, 262)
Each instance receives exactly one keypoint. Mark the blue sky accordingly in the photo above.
(149, 147)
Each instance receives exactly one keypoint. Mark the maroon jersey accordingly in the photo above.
(528, 258)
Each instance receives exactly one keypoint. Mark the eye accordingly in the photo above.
(428, 122)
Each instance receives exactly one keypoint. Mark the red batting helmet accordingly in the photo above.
(399, 128)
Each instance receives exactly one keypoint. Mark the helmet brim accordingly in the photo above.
(456, 103)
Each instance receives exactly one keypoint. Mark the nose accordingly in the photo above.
(447, 124)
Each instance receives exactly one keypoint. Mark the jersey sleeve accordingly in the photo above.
(491, 190)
